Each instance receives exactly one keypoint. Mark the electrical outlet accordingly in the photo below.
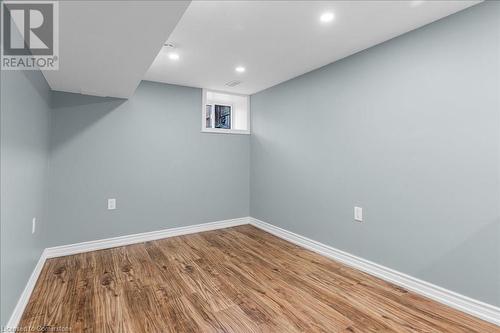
(111, 204)
(33, 225)
(358, 214)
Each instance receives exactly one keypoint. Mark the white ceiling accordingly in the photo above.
(279, 40)
(105, 47)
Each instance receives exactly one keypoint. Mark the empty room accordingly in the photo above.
(250, 166)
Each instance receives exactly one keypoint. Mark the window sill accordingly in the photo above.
(224, 131)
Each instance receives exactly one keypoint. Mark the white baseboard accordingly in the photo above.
(25, 296)
(460, 302)
(65, 250)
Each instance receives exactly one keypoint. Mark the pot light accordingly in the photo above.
(416, 3)
(326, 17)
(240, 69)
(173, 56)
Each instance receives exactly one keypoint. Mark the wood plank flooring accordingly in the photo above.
(238, 279)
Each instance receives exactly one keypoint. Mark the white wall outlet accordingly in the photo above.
(358, 214)
(111, 204)
(33, 225)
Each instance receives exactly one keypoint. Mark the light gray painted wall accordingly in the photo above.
(25, 119)
(149, 153)
(409, 130)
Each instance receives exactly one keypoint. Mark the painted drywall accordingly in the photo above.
(25, 121)
(149, 153)
(408, 130)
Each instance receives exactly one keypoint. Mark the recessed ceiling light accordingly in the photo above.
(240, 69)
(416, 3)
(326, 17)
(173, 56)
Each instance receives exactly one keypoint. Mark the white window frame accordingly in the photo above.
(222, 130)
(220, 103)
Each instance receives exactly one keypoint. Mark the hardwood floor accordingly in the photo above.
(238, 279)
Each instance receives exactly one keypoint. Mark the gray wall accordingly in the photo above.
(409, 130)
(25, 119)
(149, 153)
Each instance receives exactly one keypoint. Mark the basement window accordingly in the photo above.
(225, 113)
